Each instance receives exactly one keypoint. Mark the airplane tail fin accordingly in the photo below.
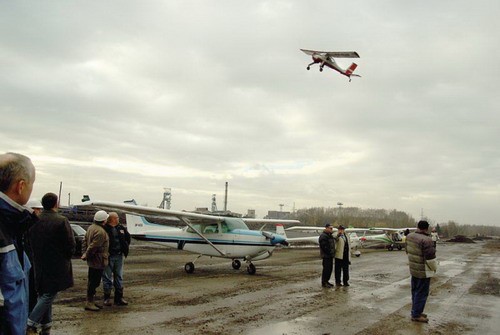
(280, 230)
(351, 69)
(135, 224)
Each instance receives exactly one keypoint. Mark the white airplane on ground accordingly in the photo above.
(391, 238)
(327, 58)
(205, 235)
(354, 239)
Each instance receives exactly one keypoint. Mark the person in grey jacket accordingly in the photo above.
(327, 252)
(423, 266)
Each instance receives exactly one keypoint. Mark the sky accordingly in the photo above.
(121, 99)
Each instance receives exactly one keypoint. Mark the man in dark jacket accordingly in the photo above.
(423, 266)
(327, 252)
(52, 243)
(17, 175)
(119, 241)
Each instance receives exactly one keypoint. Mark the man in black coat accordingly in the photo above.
(327, 252)
(52, 243)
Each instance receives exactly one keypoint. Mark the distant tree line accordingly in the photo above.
(368, 218)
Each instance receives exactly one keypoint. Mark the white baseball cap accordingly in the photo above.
(100, 216)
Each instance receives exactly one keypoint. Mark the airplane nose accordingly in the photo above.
(279, 240)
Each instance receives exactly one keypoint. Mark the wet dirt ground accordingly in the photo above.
(285, 295)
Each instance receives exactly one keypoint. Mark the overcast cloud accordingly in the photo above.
(118, 99)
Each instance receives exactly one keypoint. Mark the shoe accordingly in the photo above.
(89, 306)
(346, 284)
(338, 284)
(121, 302)
(45, 331)
(327, 285)
(98, 305)
(31, 331)
(420, 319)
(424, 315)
(108, 302)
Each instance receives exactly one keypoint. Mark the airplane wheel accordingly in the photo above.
(400, 247)
(390, 248)
(251, 269)
(189, 267)
(357, 253)
(236, 264)
(308, 68)
(320, 69)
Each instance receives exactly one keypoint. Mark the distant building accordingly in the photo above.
(251, 214)
(277, 215)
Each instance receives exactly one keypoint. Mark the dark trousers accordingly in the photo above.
(327, 270)
(94, 280)
(341, 265)
(419, 293)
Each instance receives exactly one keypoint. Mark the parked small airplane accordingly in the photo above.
(354, 239)
(205, 235)
(327, 58)
(392, 238)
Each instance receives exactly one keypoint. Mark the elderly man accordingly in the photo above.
(423, 266)
(95, 248)
(17, 175)
(342, 257)
(119, 241)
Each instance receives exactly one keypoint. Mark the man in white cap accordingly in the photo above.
(35, 205)
(95, 251)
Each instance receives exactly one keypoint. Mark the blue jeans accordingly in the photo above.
(41, 315)
(113, 274)
(419, 293)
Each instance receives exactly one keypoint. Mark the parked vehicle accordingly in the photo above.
(79, 233)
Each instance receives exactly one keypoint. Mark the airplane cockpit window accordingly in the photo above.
(211, 229)
(196, 226)
(235, 223)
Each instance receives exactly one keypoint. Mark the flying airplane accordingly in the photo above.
(354, 239)
(327, 58)
(202, 234)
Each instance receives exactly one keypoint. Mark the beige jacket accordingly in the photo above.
(95, 247)
(339, 247)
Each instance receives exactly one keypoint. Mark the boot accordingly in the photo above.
(90, 306)
(107, 299)
(31, 331)
(45, 331)
(119, 301)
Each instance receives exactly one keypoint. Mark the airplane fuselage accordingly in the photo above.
(329, 62)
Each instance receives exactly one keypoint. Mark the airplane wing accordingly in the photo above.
(270, 221)
(148, 211)
(334, 54)
(320, 229)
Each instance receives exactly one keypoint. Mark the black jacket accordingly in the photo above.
(123, 236)
(52, 244)
(326, 245)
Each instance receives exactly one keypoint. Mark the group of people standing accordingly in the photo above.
(105, 246)
(335, 247)
(36, 247)
(421, 250)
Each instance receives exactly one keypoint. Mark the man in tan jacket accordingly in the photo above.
(342, 257)
(95, 251)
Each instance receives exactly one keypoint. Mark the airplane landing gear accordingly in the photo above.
(236, 264)
(189, 267)
(320, 69)
(308, 68)
(251, 269)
